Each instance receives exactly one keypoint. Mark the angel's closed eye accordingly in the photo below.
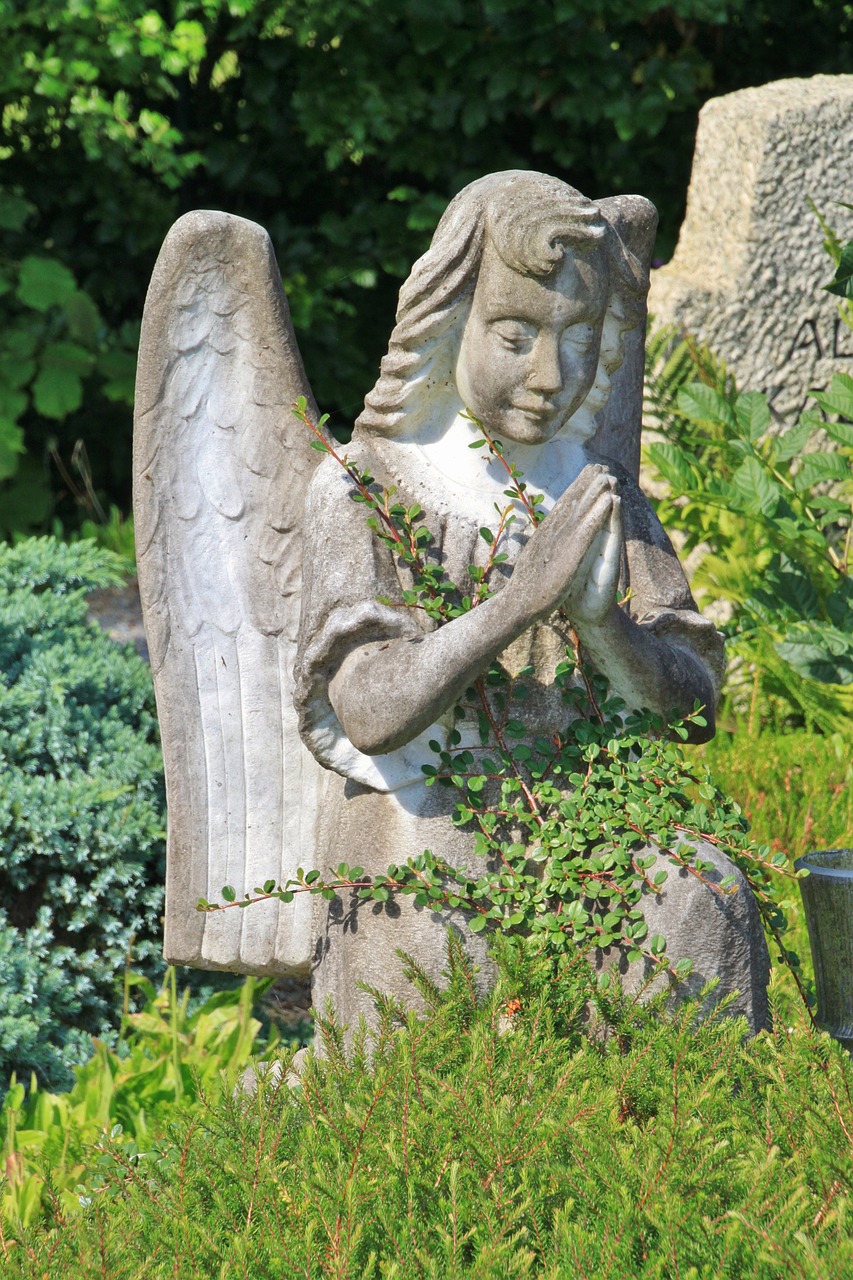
(579, 336)
(514, 335)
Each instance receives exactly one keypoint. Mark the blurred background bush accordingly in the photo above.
(343, 127)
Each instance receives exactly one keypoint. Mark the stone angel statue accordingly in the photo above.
(297, 701)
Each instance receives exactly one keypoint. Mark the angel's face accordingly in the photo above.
(529, 350)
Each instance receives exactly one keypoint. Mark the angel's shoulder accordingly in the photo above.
(329, 477)
(333, 510)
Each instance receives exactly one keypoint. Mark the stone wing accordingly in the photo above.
(221, 467)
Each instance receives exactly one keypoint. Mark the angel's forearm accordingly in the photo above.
(647, 671)
(387, 692)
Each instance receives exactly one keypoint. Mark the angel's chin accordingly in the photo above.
(527, 428)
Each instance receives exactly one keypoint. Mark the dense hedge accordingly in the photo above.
(81, 811)
(344, 126)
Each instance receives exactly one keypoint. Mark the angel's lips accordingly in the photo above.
(540, 410)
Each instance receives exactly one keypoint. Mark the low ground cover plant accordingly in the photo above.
(489, 1139)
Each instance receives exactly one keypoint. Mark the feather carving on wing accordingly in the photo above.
(221, 467)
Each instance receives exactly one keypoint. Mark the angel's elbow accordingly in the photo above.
(372, 739)
(366, 727)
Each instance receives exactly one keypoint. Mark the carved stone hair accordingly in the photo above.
(530, 219)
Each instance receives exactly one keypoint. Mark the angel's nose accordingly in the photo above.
(545, 374)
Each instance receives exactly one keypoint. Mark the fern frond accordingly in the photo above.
(673, 359)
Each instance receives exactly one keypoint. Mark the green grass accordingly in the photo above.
(796, 788)
(797, 791)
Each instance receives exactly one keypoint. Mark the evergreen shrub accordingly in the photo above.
(485, 1141)
(82, 837)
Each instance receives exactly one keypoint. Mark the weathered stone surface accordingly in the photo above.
(747, 274)
(219, 481)
(528, 310)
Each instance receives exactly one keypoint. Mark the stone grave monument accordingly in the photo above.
(747, 272)
(300, 688)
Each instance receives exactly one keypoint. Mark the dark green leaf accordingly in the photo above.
(44, 283)
(759, 491)
(839, 398)
(58, 386)
(842, 282)
(674, 466)
(14, 211)
(819, 652)
(701, 403)
(793, 440)
(815, 468)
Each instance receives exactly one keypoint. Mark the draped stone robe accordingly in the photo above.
(378, 810)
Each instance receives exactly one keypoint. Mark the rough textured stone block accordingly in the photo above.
(748, 271)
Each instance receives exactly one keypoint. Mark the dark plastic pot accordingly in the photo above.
(828, 901)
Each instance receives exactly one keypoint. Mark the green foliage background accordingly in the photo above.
(344, 126)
